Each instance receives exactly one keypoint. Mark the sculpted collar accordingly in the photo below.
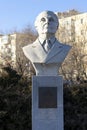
(52, 40)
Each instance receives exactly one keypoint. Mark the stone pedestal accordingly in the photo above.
(47, 103)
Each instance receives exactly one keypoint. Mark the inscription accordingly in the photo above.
(47, 97)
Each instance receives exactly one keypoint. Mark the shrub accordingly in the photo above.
(15, 103)
(75, 107)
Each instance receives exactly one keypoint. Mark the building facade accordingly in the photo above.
(8, 49)
(73, 30)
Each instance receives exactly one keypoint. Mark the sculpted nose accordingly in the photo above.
(47, 21)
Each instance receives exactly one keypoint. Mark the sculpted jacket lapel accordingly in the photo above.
(37, 54)
(57, 48)
(38, 49)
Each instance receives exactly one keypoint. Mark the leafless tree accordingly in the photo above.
(75, 65)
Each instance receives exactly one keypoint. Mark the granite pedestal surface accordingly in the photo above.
(47, 103)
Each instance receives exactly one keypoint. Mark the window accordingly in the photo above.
(4, 39)
(81, 21)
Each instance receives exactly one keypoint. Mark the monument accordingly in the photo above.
(46, 55)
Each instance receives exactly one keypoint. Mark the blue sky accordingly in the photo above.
(17, 14)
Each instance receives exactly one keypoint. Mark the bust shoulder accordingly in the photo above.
(29, 46)
(32, 51)
(64, 47)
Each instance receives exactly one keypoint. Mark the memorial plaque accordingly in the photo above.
(47, 97)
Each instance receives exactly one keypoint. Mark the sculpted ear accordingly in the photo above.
(57, 19)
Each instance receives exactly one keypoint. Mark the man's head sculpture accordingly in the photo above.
(46, 22)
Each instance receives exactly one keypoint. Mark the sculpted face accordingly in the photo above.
(46, 23)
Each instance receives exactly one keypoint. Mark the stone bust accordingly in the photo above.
(46, 61)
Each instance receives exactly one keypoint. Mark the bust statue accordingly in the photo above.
(46, 53)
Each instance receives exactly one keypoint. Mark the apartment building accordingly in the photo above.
(8, 49)
(73, 30)
(11, 47)
(11, 52)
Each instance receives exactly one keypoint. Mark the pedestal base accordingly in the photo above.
(47, 103)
